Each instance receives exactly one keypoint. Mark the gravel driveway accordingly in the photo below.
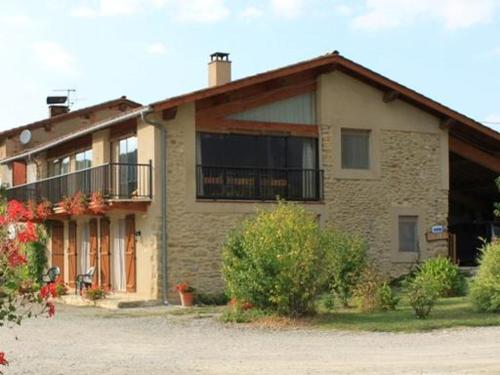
(93, 341)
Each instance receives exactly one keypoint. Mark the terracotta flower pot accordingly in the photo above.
(186, 299)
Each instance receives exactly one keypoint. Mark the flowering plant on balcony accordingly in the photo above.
(20, 295)
(43, 210)
(97, 204)
(75, 205)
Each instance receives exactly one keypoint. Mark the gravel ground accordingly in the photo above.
(93, 341)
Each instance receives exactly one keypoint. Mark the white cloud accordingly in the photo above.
(84, 12)
(287, 8)
(251, 12)
(184, 10)
(454, 14)
(495, 51)
(15, 21)
(54, 57)
(343, 10)
(202, 10)
(157, 48)
(113, 8)
(120, 7)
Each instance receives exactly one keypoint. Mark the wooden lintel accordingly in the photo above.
(474, 154)
(238, 126)
(390, 96)
(169, 113)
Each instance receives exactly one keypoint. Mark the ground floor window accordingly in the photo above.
(408, 233)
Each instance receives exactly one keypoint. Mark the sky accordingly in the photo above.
(448, 50)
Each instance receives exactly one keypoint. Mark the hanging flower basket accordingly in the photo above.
(43, 210)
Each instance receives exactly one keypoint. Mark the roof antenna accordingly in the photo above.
(69, 92)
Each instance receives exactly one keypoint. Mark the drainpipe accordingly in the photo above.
(163, 193)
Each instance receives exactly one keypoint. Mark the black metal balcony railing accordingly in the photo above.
(113, 181)
(259, 183)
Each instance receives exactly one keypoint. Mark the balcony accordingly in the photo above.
(115, 181)
(259, 183)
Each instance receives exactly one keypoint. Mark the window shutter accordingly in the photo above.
(130, 266)
(72, 254)
(105, 267)
(57, 229)
(93, 248)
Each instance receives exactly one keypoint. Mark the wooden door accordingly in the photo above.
(18, 172)
(93, 249)
(72, 254)
(130, 267)
(105, 250)
(58, 246)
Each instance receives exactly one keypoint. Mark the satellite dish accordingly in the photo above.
(25, 137)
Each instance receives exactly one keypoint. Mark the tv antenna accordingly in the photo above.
(69, 92)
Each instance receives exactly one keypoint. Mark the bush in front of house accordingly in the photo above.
(485, 288)
(373, 293)
(346, 259)
(422, 291)
(449, 280)
(214, 299)
(276, 262)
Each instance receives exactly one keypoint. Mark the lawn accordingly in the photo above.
(447, 313)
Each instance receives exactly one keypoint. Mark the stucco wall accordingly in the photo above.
(410, 172)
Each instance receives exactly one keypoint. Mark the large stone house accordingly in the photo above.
(363, 153)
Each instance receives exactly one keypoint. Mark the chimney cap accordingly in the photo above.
(219, 56)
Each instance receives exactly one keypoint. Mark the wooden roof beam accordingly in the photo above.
(390, 96)
(475, 155)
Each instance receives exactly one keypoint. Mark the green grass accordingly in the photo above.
(447, 313)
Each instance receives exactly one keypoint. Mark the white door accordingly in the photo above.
(118, 255)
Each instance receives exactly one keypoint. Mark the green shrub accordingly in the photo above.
(95, 293)
(449, 280)
(236, 315)
(387, 298)
(372, 293)
(346, 260)
(423, 291)
(485, 288)
(217, 299)
(37, 256)
(275, 261)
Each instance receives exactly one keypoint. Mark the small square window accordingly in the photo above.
(408, 233)
(355, 149)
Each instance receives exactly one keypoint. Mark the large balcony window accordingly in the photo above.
(257, 167)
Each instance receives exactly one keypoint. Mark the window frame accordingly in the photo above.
(374, 170)
(399, 256)
(366, 133)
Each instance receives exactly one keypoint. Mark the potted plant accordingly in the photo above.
(186, 292)
(78, 203)
(43, 210)
(97, 204)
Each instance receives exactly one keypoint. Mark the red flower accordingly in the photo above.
(3, 361)
(51, 309)
(183, 287)
(3, 220)
(15, 210)
(16, 259)
(48, 290)
(29, 234)
(43, 210)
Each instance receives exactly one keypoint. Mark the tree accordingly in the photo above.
(21, 296)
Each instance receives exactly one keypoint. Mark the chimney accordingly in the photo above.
(56, 110)
(219, 69)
